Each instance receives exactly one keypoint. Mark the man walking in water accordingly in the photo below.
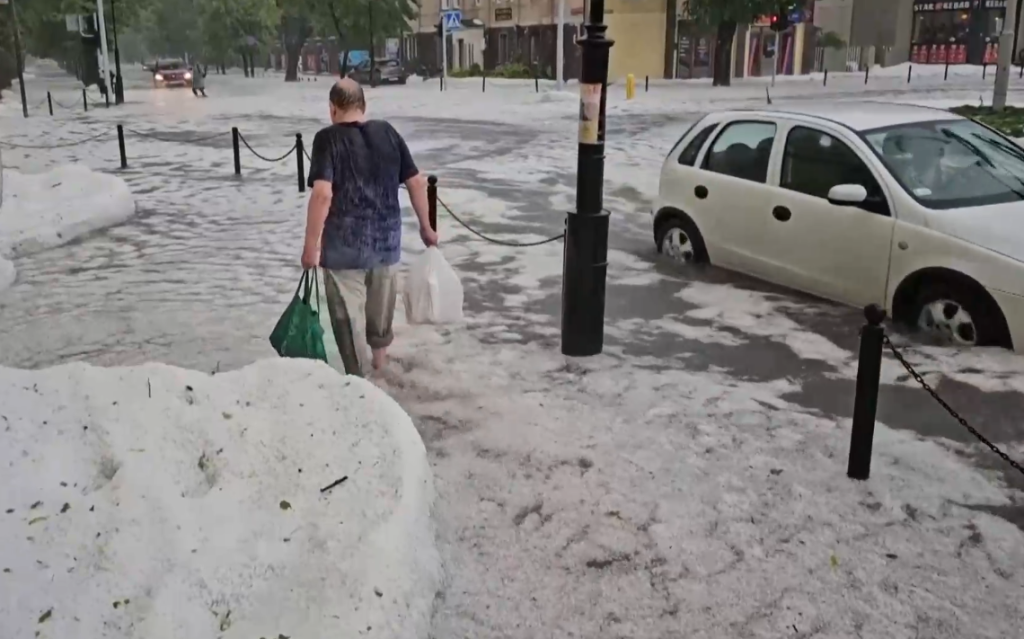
(354, 222)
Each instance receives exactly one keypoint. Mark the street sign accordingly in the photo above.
(452, 20)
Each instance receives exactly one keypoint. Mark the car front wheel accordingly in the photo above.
(679, 239)
(961, 315)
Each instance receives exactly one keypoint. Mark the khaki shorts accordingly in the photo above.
(361, 305)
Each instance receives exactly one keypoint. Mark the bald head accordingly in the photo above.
(347, 96)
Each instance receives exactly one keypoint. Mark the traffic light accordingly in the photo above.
(779, 21)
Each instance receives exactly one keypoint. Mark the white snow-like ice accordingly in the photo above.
(159, 503)
(43, 210)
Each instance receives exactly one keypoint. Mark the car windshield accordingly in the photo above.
(951, 164)
(170, 65)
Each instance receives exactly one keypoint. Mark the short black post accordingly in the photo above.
(824, 82)
(85, 100)
(865, 402)
(301, 162)
(120, 146)
(984, 71)
(910, 69)
(867, 71)
(432, 201)
(235, 148)
(483, 84)
(945, 74)
(647, 83)
(1021, 70)
(106, 98)
(536, 83)
(49, 102)
(440, 82)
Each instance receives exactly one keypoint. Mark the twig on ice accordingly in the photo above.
(334, 483)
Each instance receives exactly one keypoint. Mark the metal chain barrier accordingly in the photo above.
(266, 159)
(498, 242)
(963, 422)
(74, 104)
(306, 153)
(152, 136)
(62, 145)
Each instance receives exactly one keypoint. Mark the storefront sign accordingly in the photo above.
(503, 13)
(948, 5)
(995, 4)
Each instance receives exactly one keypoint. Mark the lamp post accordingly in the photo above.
(17, 58)
(118, 83)
(373, 61)
(585, 265)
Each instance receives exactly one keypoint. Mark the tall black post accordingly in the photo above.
(120, 146)
(236, 150)
(865, 401)
(118, 83)
(18, 59)
(300, 156)
(432, 201)
(585, 263)
(49, 102)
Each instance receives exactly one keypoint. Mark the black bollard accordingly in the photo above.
(483, 84)
(910, 70)
(301, 162)
(49, 102)
(865, 402)
(945, 75)
(984, 71)
(824, 82)
(536, 84)
(432, 201)
(235, 148)
(85, 100)
(647, 83)
(867, 71)
(1021, 70)
(106, 98)
(440, 82)
(120, 146)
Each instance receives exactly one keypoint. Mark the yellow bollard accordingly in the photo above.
(630, 86)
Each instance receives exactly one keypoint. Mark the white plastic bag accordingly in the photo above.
(433, 292)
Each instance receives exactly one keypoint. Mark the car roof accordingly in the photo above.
(859, 115)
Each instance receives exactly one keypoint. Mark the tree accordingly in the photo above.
(724, 15)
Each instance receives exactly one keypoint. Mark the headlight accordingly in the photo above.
(158, 78)
(188, 76)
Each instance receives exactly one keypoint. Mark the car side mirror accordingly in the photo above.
(847, 195)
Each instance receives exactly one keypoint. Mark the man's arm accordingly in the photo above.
(316, 212)
(417, 186)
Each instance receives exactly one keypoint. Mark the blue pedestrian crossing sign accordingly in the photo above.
(452, 20)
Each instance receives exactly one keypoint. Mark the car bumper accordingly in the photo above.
(1012, 307)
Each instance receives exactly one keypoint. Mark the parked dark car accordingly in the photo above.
(171, 73)
(385, 72)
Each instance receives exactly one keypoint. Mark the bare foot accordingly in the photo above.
(380, 358)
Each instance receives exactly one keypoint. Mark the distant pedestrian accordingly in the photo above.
(198, 80)
(354, 222)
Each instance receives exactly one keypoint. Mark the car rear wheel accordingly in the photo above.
(678, 238)
(961, 315)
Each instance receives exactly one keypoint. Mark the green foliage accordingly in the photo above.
(1009, 121)
(830, 40)
(713, 12)
(513, 70)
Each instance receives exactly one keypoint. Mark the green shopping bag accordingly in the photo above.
(298, 333)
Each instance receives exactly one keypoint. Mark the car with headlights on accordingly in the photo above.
(171, 72)
(912, 208)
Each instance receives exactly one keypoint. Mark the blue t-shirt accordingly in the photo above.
(365, 162)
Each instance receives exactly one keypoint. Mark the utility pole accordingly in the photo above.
(585, 262)
(103, 45)
(373, 59)
(444, 52)
(560, 57)
(118, 83)
(17, 58)
(1005, 57)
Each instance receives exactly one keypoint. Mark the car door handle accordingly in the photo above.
(701, 191)
(782, 214)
